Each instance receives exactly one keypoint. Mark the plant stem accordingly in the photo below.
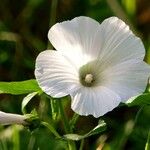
(53, 12)
(71, 144)
(147, 146)
(54, 108)
(52, 17)
(51, 128)
(64, 118)
(82, 144)
(73, 121)
(31, 142)
(52, 21)
(16, 138)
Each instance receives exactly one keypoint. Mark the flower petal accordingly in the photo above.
(55, 75)
(95, 101)
(127, 79)
(119, 43)
(76, 39)
(9, 118)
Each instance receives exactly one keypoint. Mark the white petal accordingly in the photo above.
(127, 79)
(119, 43)
(76, 38)
(55, 75)
(8, 118)
(95, 101)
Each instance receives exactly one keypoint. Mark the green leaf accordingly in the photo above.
(147, 146)
(26, 101)
(143, 99)
(98, 129)
(22, 87)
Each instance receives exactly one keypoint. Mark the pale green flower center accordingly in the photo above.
(88, 76)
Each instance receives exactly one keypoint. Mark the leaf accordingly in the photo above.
(22, 87)
(26, 101)
(143, 99)
(147, 146)
(98, 129)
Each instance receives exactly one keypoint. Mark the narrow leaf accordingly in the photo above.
(26, 101)
(98, 129)
(22, 87)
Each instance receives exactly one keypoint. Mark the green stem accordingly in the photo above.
(147, 146)
(63, 117)
(51, 128)
(54, 108)
(53, 12)
(16, 138)
(82, 144)
(52, 17)
(31, 142)
(71, 144)
(73, 121)
(52, 21)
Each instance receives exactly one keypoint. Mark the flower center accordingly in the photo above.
(88, 78)
(87, 75)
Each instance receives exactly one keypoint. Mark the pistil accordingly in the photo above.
(88, 78)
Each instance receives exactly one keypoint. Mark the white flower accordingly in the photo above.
(8, 118)
(98, 65)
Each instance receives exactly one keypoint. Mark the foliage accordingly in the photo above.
(23, 31)
(16, 88)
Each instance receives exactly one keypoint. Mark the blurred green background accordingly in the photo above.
(24, 25)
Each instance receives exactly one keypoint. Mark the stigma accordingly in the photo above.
(88, 78)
